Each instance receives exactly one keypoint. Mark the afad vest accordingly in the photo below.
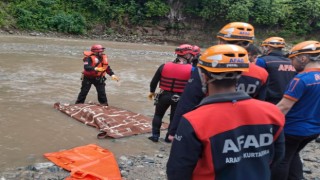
(95, 60)
(251, 82)
(174, 77)
(234, 138)
(281, 72)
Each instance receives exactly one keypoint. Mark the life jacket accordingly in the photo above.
(95, 60)
(174, 77)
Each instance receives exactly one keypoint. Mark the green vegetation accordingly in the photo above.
(285, 17)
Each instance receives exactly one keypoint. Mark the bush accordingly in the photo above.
(68, 23)
(156, 8)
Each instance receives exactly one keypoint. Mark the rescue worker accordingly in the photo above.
(196, 54)
(253, 82)
(253, 53)
(173, 76)
(278, 66)
(95, 67)
(223, 138)
(238, 33)
(300, 104)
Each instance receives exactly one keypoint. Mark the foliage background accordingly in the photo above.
(293, 19)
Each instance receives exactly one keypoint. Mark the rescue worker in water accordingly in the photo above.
(95, 68)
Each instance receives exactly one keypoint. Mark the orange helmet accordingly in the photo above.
(97, 48)
(276, 42)
(237, 31)
(196, 50)
(306, 47)
(184, 49)
(224, 58)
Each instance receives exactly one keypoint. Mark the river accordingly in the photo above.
(36, 72)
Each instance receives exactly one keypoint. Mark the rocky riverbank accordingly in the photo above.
(145, 167)
(155, 35)
(132, 167)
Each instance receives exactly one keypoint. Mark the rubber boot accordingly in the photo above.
(154, 138)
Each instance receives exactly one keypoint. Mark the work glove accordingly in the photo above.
(99, 69)
(114, 77)
(151, 95)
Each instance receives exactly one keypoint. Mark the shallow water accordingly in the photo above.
(36, 72)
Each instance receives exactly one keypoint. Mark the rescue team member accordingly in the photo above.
(278, 66)
(95, 67)
(196, 54)
(253, 53)
(300, 104)
(223, 138)
(253, 82)
(238, 33)
(173, 77)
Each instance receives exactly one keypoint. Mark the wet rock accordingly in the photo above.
(147, 159)
(307, 170)
(123, 158)
(35, 34)
(130, 163)
(39, 166)
(159, 155)
(124, 173)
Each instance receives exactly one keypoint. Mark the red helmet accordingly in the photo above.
(97, 48)
(184, 49)
(195, 50)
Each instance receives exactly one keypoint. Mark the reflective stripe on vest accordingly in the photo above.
(174, 77)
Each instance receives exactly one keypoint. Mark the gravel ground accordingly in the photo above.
(146, 167)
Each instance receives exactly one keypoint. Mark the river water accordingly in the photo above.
(36, 72)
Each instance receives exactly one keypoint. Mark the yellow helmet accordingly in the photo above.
(237, 31)
(224, 58)
(306, 47)
(276, 42)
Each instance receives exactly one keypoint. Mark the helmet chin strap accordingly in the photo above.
(204, 84)
(265, 50)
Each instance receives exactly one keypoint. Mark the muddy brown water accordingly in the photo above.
(36, 72)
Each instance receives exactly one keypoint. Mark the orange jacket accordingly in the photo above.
(94, 61)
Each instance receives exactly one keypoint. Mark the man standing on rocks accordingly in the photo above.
(300, 104)
(223, 138)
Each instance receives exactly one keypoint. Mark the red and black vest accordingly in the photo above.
(252, 82)
(103, 63)
(235, 135)
(174, 77)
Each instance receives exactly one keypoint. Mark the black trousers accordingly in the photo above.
(99, 83)
(166, 100)
(290, 168)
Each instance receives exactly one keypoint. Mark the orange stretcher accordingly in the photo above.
(89, 162)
